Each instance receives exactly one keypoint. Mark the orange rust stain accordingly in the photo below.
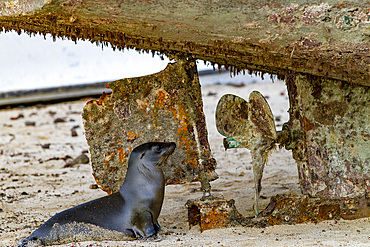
(122, 155)
(132, 135)
(182, 116)
(143, 105)
(91, 117)
(106, 189)
(307, 124)
(109, 156)
(211, 215)
(192, 159)
(160, 98)
(102, 98)
(174, 181)
(90, 102)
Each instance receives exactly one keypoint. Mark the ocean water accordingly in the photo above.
(34, 62)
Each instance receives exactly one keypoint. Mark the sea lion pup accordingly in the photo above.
(132, 212)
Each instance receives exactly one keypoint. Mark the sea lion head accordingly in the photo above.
(154, 153)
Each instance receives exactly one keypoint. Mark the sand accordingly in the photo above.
(34, 184)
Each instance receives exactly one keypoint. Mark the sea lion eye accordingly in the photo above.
(157, 149)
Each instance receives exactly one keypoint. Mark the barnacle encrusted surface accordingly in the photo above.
(323, 38)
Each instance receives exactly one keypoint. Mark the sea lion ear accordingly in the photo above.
(142, 155)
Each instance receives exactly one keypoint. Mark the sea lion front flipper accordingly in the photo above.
(157, 227)
(143, 226)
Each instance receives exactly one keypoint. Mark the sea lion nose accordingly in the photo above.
(172, 146)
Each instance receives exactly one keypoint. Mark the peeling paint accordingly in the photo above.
(313, 14)
(352, 19)
(326, 113)
(19, 7)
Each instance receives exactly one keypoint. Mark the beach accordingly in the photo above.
(38, 179)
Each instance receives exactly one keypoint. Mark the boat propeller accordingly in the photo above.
(251, 125)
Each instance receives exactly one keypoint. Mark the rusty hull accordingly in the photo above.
(332, 122)
(212, 213)
(324, 38)
(166, 106)
(295, 209)
(286, 209)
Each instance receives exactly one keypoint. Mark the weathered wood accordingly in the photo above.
(325, 38)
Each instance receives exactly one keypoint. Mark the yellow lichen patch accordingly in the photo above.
(192, 159)
(106, 189)
(122, 155)
(132, 135)
(109, 156)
